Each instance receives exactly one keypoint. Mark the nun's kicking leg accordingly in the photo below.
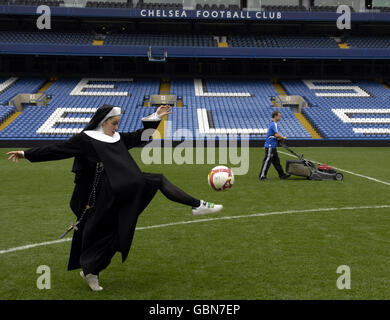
(174, 193)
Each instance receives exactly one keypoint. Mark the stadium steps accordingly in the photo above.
(278, 87)
(222, 41)
(302, 119)
(165, 89)
(47, 85)
(10, 119)
(16, 114)
(98, 42)
(385, 84)
(145, 103)
(223, 45)
(308, 126)
(343, 45)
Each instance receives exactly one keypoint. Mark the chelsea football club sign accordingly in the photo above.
(210, 14)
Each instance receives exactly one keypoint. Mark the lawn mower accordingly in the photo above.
(307, 169)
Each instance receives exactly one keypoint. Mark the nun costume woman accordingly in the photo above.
(110, 189)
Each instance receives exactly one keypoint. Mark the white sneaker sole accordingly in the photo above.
(207, 211)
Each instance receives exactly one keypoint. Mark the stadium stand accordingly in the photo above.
(250, 109)
(145, 39)
(48, 37)
(25, 85)
(281, 41)
(156, 5)
(192, 40)
(339, 109)
(232, 7)
(382, 9)
(342, 109)
(5, 112)
(53, 3)
(330, 5)
(26, 125)
(108, 4)
(279, 5)
(382, 5)
(284, 8)
(243, 113)
(368, 41)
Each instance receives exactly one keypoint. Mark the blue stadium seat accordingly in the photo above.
(328, 123)
(336, 109)
(282, 41)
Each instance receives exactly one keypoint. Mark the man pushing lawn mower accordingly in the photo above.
(271, 152)
(301, 167)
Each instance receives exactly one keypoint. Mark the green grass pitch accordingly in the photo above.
(281, 256)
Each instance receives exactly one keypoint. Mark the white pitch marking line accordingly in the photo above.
(206, 220)
(343, 170)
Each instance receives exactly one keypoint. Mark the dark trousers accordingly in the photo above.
(271, 156)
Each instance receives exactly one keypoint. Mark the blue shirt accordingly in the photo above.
(271, 141)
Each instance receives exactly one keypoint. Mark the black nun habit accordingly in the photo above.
(122, 193)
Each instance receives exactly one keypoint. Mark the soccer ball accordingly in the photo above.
(221, 178)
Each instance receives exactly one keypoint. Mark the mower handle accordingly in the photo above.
(283, 144)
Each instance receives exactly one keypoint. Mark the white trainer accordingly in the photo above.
(92, 280)
(206, 208)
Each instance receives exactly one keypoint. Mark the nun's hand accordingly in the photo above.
(163, 110)
(15, 155)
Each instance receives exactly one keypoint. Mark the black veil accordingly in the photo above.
(98, 116)
(92, 124)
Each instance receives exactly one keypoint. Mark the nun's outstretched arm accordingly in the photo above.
(136, 138)
(56, 151)
(150, 122)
